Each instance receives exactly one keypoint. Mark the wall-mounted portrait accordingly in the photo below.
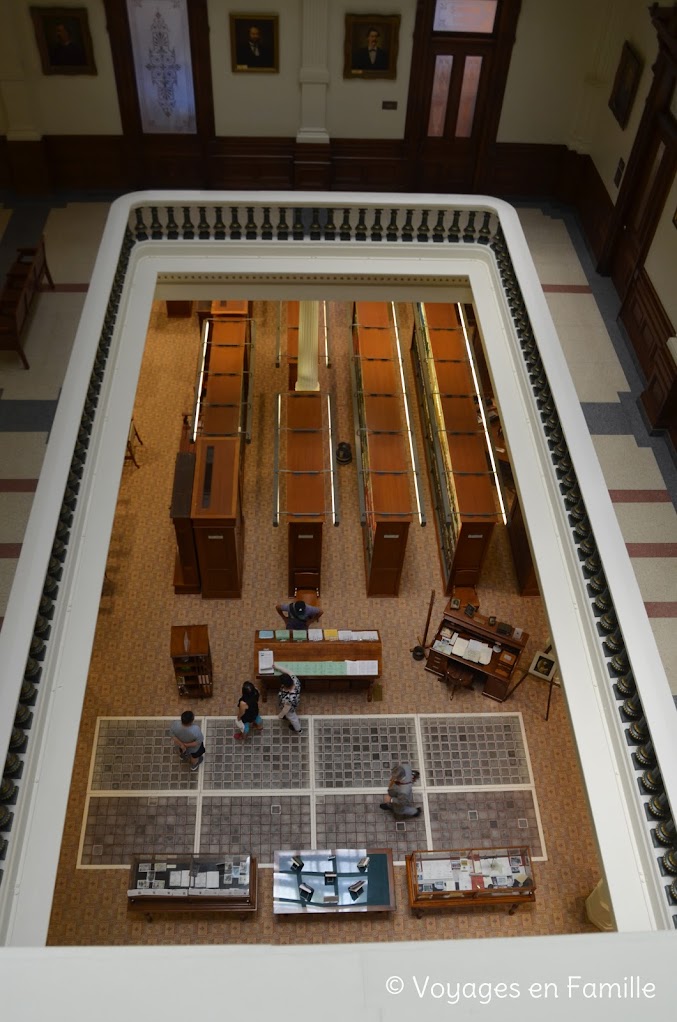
(254, 42)
(371, 42)
(64, 42)
(625, 84)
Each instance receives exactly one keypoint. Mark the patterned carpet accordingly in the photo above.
(131, 674)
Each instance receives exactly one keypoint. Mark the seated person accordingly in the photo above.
(298, 615)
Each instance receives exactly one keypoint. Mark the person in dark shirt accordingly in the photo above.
(248, 716)
(253, 51)
(298, 615)
(371, 57)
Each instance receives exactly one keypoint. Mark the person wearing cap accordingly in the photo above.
(298, 615)
(400, 797)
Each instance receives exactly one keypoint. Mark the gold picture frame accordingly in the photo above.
(625, 85)
(64, 41)
(254, 45)
(370, 46)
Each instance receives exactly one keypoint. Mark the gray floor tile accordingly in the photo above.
(139, 755)
(361, 753)
(119, 827)
(268, 759)
(484, 819)
(355, 821)
(250, 824)
(474, 750)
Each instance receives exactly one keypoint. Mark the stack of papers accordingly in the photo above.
(282, 634)
(331, 633)
(315, 634)
(362, 667)
(265, 661)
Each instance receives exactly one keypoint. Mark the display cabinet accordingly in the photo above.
(458, 451)
(186, 568)
(447, 879)
(173, 882)
(191, 660)
(384, 458)
(216, 514)
(340, 881)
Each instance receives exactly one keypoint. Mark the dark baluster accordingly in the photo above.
(651, 781)
(23, 716)
(438, 229)
(377, 227)
(155, 225)
(592, 565)
(172, 226)
(18, 740)
(28, 694)
(632, 708)
(235, 229)
(645, 755)
(187, 227)
(659, 807)
(613, 643)
(665, 833)
(203, 225)
(602, 603)
(8, 788)
(361, 227)
(140, 230)
(392, 230)
(282, 228)
(46, 610)
(586, 546)
(423, 233)
(315, 228)
(608, 621)
(485, 231)
(330, 226)
(408, 227)
(578, 512)
(298, 230)
(469, 231)
(251, 231)
(638, 731)
(50, 588)
(219, 225)
(669, 861)
(345, 230)
(5, 819)
(454, 228)
(266, 226)
(42, 627)
(620, 663)
(13, 765)
(38, 648)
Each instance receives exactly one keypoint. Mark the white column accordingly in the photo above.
(314, 72)
(309, 321)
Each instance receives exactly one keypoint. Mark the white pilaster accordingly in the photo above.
(309, 320)
(314, 72)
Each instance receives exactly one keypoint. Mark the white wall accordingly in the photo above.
(57, 104)
(250, 103)
(662, 257)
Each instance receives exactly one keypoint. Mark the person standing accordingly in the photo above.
(400, 797)
(298, 615)
(248, 716)
(288, 698)
(188, 738)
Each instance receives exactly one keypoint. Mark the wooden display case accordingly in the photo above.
(383, 461)
(186, 568)
(191, 660)
(449, 879)
(163, 883)
(216, 513)
(457, 451)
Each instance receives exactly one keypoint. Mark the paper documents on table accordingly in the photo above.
(265, 661)
(362, 667)
(315, 634)
(366, 636)
(460, 646)
(345, 635)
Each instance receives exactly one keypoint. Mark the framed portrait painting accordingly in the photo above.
(63, 39)
(370, 48)
(543, 666)
(625, 84)
(254, 44)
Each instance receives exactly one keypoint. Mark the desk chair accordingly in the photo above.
(307, 587)
(458, 674)
(132, 438)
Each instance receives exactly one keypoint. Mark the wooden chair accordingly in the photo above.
(132, 438)
(307, 587)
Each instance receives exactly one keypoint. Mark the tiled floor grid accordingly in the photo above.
(319, 789)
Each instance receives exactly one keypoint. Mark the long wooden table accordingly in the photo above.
(324, 651)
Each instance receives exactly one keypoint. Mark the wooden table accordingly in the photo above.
(503, 664)
(324, 651)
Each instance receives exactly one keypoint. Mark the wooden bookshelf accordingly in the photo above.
(191, 660)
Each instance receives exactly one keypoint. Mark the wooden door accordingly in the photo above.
(459, 68)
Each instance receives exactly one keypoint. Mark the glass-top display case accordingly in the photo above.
(338, 880)
(451, 877)
(179, 882)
